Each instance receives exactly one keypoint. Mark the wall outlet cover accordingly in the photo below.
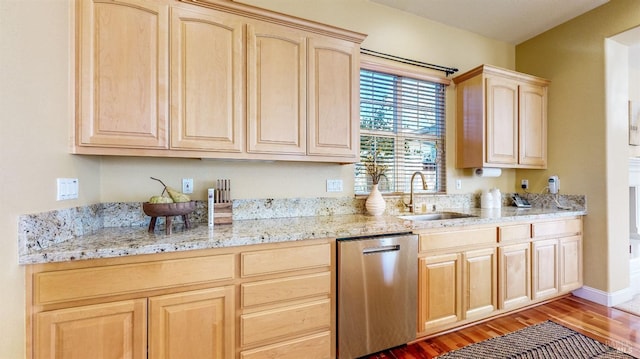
(187, 185)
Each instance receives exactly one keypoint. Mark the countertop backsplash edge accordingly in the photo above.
(42, 230)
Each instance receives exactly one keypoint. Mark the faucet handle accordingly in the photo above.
(407, 205)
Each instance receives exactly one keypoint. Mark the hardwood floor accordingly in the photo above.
(613, 327)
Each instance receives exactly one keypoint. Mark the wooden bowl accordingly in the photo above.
(168, 209)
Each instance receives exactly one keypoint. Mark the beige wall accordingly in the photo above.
(634, 77)
(36, 114)
(587, 150)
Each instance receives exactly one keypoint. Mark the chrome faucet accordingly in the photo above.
(424, 187)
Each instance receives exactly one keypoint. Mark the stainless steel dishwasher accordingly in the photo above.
(377, 293)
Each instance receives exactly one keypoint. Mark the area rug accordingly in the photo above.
(540, 341)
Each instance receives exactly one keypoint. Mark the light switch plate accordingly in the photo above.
(334, 185)
(67, 188)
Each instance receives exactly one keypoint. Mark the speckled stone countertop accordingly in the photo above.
(126, 241)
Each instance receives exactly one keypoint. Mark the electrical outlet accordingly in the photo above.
(554, 184)
(334, 185)
(524, 184)
(187, 185)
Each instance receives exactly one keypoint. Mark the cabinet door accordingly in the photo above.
(122, 74)
(439, 291)
(110, 330)
(207, 82)
(514, 265)
(479, 283)
(276, 90)
(545, 268)
(197, 324)
(501, 121)
(333, 98)
(533, 126)
(570, 263)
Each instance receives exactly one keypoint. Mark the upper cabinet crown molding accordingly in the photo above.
(213, 79)
(501, 119)
(502, 72)
(256, 13)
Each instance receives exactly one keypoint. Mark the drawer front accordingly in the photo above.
(444, 240)
(514, 232)
(284, 289)
(317, 346)
(567, 227)
(75, 284)
(282, 322)
(285, 259)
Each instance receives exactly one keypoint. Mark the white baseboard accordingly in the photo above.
(615, 298)
(634, 276)
(602, 297)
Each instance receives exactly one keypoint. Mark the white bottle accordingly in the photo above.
(497, 198)
(486, 199)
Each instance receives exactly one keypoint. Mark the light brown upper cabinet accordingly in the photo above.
(501, 119)
(214, 79)
(207, 95)
(277, 83)
(333, 94)
(122, 74)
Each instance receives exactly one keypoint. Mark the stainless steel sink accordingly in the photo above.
(436, 216)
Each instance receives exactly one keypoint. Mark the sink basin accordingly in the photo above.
(436, 216)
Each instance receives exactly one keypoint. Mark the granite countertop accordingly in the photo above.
(126, 241)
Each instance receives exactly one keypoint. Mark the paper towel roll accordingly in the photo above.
(488, 172)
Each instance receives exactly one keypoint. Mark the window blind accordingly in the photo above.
(402, 120)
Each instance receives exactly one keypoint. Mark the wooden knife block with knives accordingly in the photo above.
(223, 205)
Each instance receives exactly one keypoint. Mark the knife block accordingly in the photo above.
(223, 213)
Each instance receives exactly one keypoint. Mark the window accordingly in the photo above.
(403, 118)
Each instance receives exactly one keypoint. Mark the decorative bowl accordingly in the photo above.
(168, 209)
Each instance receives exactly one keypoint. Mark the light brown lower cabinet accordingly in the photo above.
(456, 277)
(515, 275)
(476, 272)
(278, 300)
(196, 324)
(479, 282)
(107, 330)
(442, 306)
(570, 263)
(545, 275)
(261, 301)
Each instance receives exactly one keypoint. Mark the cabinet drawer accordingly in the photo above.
(457, 238)
(284, 289)
(287, 321)
(555, 228)
(285, 259)
(75, 284)
(317, 346)
(514, 232)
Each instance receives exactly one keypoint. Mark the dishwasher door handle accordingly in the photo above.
(381, 249)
